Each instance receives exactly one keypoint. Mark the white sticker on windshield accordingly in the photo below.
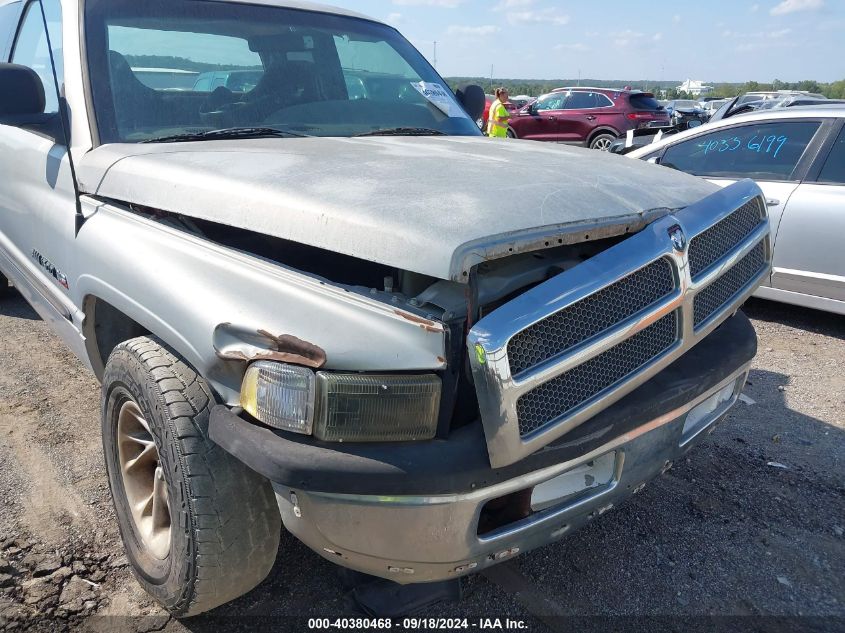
(440, 97)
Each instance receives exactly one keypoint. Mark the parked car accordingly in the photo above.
(417, 372)
(520, 101)
(234, 80)
(685, 114)
(591, 117)
(765, 95)
(166, 78)
(797, 156)
(712, 106)
(727, 110)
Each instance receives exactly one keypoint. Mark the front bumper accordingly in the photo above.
(411, 512)
(412, 539)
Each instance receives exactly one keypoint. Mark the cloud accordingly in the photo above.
(473, 31)
(577, 47)
(445, 4)
(505, 5)
(676, 19)
(551, 16)
(793, 6)
(754, 8)
(626, 37)
(395, 19)
(779, 34)
(657, 37)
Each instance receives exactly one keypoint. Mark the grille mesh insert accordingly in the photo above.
(710, 246)
(723, 289)
(580, 384)
(591, 316)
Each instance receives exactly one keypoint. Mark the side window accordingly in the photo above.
(833, 171)
(582, 101)
(764, 151)
(8, 21)
(551, 102)
(603, 101)
(31, 48)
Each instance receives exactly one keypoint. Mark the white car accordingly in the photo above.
(797, 156)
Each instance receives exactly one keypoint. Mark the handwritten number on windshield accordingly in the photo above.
(766, 143)
(721, 145)
(732, 144)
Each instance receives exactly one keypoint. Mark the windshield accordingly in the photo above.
(241, 65)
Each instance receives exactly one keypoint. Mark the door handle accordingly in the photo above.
(772, 202)
(590, 117)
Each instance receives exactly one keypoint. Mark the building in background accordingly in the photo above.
(695, 88)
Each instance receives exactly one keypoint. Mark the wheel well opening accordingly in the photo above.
(110, 328)
(602, 130)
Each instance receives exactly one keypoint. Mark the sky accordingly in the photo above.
(709, 40)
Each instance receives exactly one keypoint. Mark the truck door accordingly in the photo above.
(37, 190)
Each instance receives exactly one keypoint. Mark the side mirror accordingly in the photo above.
(531, 109)
(22, 102)
(473, 99)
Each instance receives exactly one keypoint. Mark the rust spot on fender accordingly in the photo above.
(238, 343)
(427, 324)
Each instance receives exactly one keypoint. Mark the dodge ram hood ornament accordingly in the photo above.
(679, 240)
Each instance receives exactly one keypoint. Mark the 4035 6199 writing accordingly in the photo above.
(767, 144)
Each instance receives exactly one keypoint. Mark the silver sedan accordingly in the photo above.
(797, 156)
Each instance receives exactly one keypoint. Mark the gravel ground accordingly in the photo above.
(750, 524)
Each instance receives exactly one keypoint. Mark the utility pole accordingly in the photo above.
(435, 54)
(491, 78)
(579, 76)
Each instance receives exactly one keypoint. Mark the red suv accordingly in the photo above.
(592, 117)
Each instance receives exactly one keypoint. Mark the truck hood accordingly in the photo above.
(431, 205)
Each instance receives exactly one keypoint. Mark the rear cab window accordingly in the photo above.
(763, 151)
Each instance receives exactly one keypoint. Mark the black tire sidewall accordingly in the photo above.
(596, 138)
(127, 379)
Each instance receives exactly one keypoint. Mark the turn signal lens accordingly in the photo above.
(376, 408)
(279, 395)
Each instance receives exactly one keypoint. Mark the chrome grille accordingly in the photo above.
(551, 358)
(581, 384)
(721, 291)
(713, 244)
(591, 316)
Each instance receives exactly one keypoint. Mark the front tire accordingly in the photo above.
(511, 133)
(602, 141)
(199, 527)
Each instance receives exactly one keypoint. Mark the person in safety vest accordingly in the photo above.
(497, 121)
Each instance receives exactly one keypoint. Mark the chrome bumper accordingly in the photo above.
(412, 539)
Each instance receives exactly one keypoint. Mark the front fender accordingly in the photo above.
(181, 288)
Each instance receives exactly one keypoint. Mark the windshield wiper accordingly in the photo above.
(228, 133)
(404, 131)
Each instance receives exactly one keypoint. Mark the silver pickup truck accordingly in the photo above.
(324, 300)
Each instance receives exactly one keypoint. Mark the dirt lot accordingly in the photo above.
(751, 524)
